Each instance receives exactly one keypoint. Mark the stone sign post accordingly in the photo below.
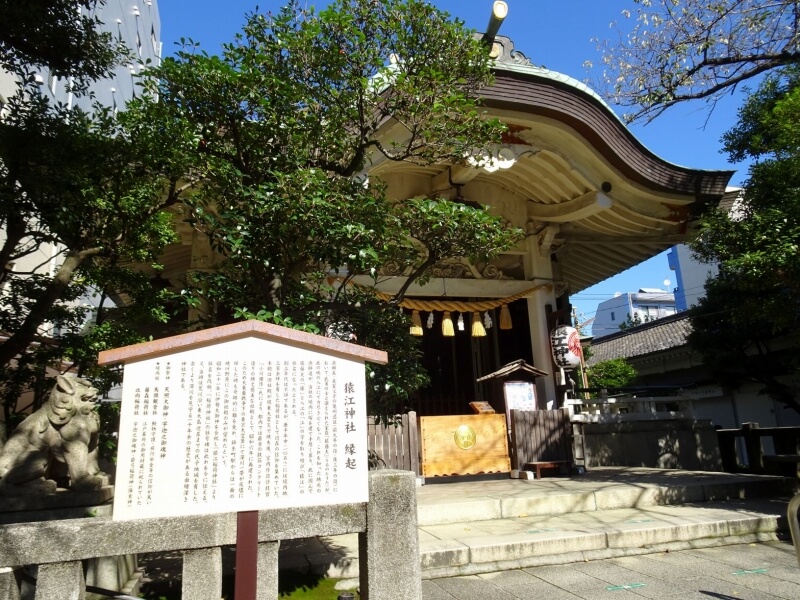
(241, 418)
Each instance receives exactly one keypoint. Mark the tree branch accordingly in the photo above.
(27, 332)
(415, 274)
(656, 108)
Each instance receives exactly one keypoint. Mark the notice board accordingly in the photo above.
(245, 419)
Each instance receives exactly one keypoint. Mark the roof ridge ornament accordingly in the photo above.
(503, 52)
(501, 48)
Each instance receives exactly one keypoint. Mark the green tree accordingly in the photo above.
(77, 190)
(680, 50)
(611, 374)
(748, 323)
(52, 34)
(82, 199)
(280, 131)
(635, 321)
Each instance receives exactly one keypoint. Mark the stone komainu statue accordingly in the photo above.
(64, 430)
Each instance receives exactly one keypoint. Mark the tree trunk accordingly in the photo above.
(15, 231)
(24, 336)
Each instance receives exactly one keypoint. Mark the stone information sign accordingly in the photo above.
(239, 425)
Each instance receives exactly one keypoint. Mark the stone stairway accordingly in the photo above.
(483, 526)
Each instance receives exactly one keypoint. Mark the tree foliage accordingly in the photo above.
(635, 321)
(611, 374)
(76, 190)
(681, 50)
(747, 325)
(279, 132)
(83, 198)
(53, 34)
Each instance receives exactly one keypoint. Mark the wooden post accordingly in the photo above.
(246, 583)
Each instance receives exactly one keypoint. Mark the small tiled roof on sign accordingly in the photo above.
(655, 336)
(513, 367)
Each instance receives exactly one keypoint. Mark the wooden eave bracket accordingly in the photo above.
(582, 207)
(546, 239)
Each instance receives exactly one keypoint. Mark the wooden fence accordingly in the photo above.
(540, 436)
(536, 436)
(395, 446)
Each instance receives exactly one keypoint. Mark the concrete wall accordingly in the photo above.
(8, 85)
(137, 24)
(669, 444)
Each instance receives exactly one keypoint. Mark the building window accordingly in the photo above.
(153, 39)
(139, 43)
(613, 318)
(648, 312)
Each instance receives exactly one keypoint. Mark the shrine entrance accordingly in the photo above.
(455, 363)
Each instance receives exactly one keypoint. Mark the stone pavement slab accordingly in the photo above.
(765, 571)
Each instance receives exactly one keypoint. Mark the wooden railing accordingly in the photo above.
(394, 446)
(389, 562)
(785, 441)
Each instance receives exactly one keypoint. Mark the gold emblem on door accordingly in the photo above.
(465, 437)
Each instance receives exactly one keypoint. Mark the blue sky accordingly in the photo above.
(555, 34)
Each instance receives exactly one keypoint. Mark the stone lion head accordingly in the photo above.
(68, 397)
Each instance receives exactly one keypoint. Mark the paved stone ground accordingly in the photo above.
(766, 571)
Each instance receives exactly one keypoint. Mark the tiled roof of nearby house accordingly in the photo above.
(662, 334)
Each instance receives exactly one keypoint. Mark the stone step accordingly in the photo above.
(470, 527)
(512, 543)
(441, 504)
(484, 546)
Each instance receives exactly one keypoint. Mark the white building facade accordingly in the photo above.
(691, 274)
(135, 23)
(647, 304)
